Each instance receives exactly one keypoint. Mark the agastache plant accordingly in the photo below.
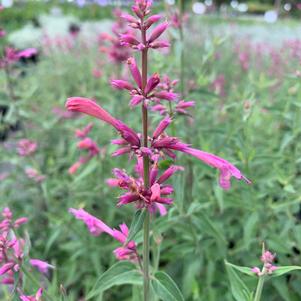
(149, 191)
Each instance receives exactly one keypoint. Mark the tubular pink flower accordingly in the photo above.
(128, 40)
(152, 83)
(89, 107)
(161, 127)
(257, 271)
(135, 71)
(27, 53)
(20, 221)
(42, 266)
(159, 44)
(227, 170)
(136, 99)
(169, 172)
(121, 84)
(73, 169)
(95, 226)
(156, 192)
(162, 209)
(122, 151)
(84, 132)
(158, 31)
(129, 18)
(6, 267)
(166, 95)
(151, 20)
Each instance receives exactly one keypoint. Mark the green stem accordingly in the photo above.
(146, 163)
(146, 227)
(259, 288)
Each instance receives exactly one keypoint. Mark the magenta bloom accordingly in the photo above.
(26, 147)
(34, 174)
(42, 266)
(96, 227)
(267, 259)
(27, 53)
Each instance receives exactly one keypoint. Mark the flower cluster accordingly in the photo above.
(149, 93)
(127, 251)
(154, 196)
(160, 143)
(267, 258)
(180, 107)
(86, 144)
(12, 253)
(26, 147)
(115, 51)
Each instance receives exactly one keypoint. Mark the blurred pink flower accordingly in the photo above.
(26, 147)
(42, 266)
(34, 174)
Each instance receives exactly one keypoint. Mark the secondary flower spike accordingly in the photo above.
(96, 227)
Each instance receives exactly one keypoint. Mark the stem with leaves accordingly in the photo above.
(146, 226)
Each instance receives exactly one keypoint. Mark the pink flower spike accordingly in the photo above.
(135, 71)
(152, 83)
(161, 127)
(227, 170)
(95, 225)
(89, 107)
(42, 266)
(158, 31)
(121, 85)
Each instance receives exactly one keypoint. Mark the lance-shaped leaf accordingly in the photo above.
(120, 273)
(284, 270)
(238, 288)
(165, 288)
(244, 270)
(136, 224)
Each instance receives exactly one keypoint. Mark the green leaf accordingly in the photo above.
(137, 224)
(120, 273)
(244, 270)
(165, 288)
(238, 288)
(164, 164)
(284, 270)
